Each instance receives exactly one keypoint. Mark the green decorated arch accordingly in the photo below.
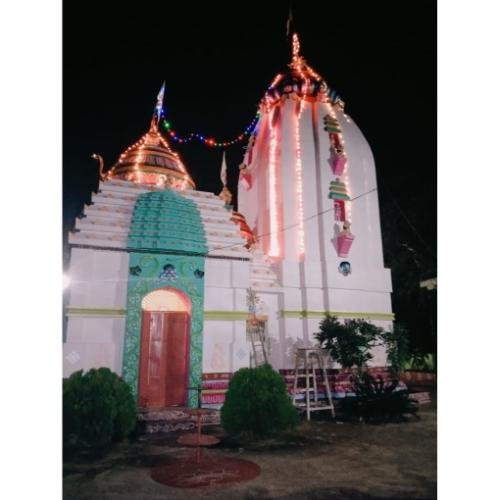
(167, 249)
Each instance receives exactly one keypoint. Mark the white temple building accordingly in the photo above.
(160, 273)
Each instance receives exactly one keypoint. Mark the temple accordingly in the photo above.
(169, 285)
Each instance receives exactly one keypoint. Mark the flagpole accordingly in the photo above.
(289, 21)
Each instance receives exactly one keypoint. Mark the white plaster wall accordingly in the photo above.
(217, 273)
(313, 273)
(93, 343)
(289, 272)
(98, 278)
(225, 347)
(360, 301)
(240, 274)
(219, 299)
(314, 299)
(240, 299)
(292, 299)
(310, 188)
(361, 277)
(291, 337)
(287, 195)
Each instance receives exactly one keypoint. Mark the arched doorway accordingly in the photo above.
(164, 355)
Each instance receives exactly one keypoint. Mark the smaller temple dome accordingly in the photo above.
(150, 160)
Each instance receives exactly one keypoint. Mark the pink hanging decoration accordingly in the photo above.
(344, 242)
(338, 164)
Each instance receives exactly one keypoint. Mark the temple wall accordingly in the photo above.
(94, 342)
(225, 348)
(98, 278)
(96, 310)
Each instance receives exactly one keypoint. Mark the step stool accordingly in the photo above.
(312, 359)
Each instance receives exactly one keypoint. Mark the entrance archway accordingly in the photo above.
(164, 353)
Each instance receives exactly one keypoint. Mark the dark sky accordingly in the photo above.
(217, 59)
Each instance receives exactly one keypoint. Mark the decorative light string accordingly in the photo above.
(274, 247)
(210, 141)
(298, 176)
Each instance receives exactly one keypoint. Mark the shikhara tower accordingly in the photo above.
(308, 190)
(168, 283)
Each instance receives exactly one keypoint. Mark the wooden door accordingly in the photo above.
(164, 360)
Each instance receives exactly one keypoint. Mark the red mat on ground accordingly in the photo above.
(211, 471)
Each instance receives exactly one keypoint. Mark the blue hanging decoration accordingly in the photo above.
(345, 268)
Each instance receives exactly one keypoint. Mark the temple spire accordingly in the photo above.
(289, 21)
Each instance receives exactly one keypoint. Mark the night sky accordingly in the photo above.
(217, 59)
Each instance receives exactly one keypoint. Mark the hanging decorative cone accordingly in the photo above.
(344, 242)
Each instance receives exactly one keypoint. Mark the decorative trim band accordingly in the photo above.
(226, 315)
(231, 315)
(96, 312)
(162, 252)
(119, 312)
(339, 314)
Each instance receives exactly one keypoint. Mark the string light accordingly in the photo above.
(274, 246)
(276, 80)
(210, 141)
(298, 176)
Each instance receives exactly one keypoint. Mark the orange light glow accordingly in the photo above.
(274, 242)
(299, 187)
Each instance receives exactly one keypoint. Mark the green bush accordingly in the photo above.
(98, 408)
(257, 404)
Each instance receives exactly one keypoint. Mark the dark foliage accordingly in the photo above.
(257, 404)
(350, 342)
(412, 259)
(98, 408)
(421, 362)
(397, 345)
(378, 402)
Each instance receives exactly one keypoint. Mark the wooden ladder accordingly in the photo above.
(311, 358)
(259, 354)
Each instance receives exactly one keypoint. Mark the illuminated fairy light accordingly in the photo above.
(295, 46)
(274, 246)
(276, 80)
(298, 176)
(210, 141)
(312, 72)
(301, 67)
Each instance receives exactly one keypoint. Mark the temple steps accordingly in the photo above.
(173, 419)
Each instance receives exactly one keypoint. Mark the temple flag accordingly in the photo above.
(223, 170)
(159, 101)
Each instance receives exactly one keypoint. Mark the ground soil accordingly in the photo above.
(319, 460)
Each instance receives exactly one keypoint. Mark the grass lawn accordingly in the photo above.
(318, 460)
